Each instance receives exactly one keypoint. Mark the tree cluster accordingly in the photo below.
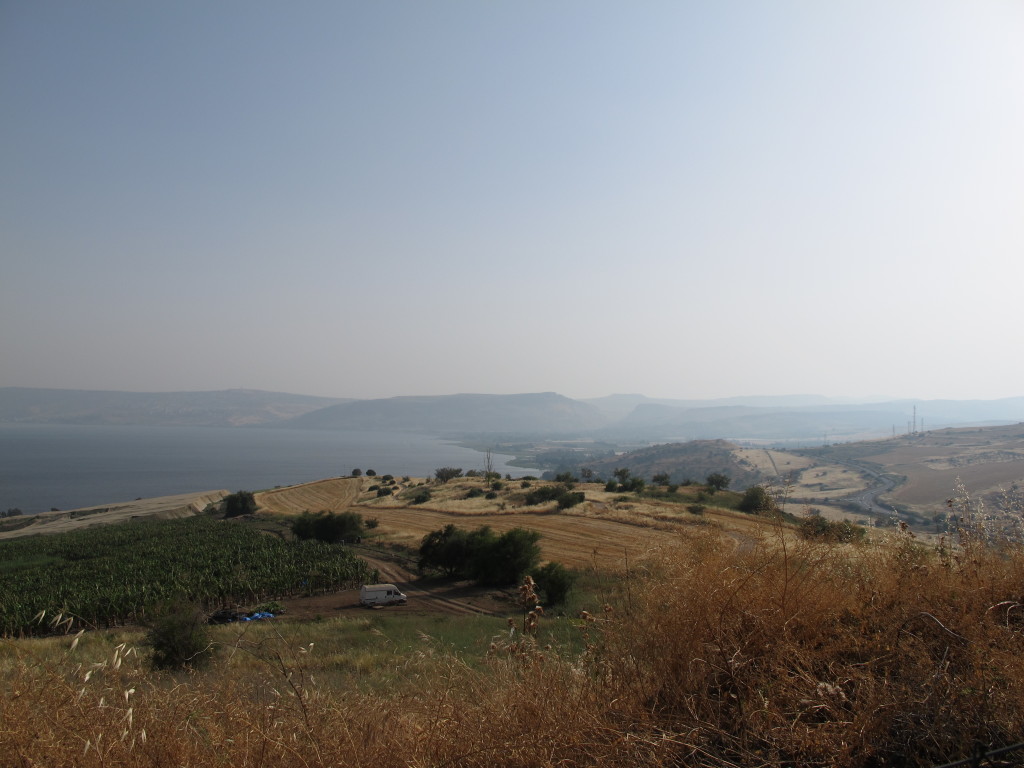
(329, 527)
(239, 503)
(481, 554)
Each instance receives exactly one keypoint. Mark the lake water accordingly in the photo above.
(45, 466)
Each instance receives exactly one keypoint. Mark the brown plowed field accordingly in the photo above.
(335, 495)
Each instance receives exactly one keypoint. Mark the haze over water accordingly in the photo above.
(45, 466)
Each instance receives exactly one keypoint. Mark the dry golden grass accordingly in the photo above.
(783, 654)
(164, 507)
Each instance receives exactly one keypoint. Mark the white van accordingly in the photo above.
(380, 594)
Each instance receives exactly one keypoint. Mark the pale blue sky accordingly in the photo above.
(367, 199)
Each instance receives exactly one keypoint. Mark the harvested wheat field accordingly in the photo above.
(165, 507)
(335, 494)
(603, 532)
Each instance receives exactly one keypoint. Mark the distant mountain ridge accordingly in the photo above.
(532, 413)
(225, 408)
(631, 418)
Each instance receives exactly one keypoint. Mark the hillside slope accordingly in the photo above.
(227, 408)
(533, 413)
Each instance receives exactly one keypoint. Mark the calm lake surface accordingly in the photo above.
(44, 466)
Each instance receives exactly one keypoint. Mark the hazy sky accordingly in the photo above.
(367, 199)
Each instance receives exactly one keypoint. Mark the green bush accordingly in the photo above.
(444, 474)
(240, 503)
(756, 500)
(329, 527)
(422, 497)
(817, 527)
(570, 499)
(554, 581)
(180, 638)
(491, 495)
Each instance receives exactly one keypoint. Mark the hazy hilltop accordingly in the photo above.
(535, 413)
(658, 420)
(227, 408)
(629, 418)
(693, 460)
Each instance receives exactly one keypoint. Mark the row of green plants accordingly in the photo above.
(114, 574)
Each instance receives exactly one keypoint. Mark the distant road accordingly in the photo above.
(868, 498)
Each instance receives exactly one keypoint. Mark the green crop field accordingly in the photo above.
(114, 574)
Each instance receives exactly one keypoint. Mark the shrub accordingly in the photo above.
(474, 493)
(554, 581)
(370, 473)
(240, 503)
(815, 526)
(383, 492)
(543, 494)
(756, 500)
(180, 638)
(370, 523)
(444, 474)
(422, 497)
(570, 499)
(611, 486)
(491, 495)
(696, 509)
(356, 472)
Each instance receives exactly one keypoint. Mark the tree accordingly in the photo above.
(357, 472)
(240, 503)
(329, 527)
(717, 481)
(505, 559)
(621, 474)
(481, 554)
(554, 581)
(661, 478)
(446, 550)
(444, 474)
(756, 500)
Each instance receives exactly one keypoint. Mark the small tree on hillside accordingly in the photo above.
(444, 474)
(717, 481)
(756, 500)
(240, 503)
(554, 581)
